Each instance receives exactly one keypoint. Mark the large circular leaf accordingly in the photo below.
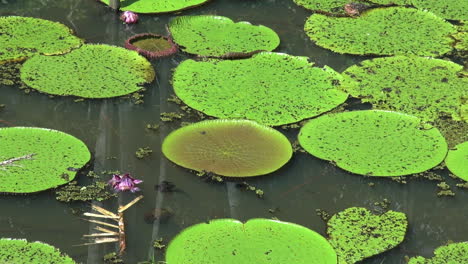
(37, 159)
(22, 37)
(92, 71)
(258, 241)
(383, 31)
(454, 253)
(217, 36)
(448, 9)
(20, 251)
(374, 143)
(157, 6)
(270, 88)
(457, 160)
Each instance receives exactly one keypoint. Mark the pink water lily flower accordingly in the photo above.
(129, 17)
(124, 183)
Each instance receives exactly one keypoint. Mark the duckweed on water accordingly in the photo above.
(21, 251)
(457, 161)
(97, 191)
(142, 153)
(157, 6)
(454, 253)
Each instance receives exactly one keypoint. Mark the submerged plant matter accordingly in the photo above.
(217, 36)
(454, 253)
(356, 233)
(151, 45)
(270, 88)
(157, 6)
(457, 161)
(258, 241)
(238, 148)
(17, 251)
(374, 143)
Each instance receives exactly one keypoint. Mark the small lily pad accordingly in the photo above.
(356, 233)
(217, 36)
(239, 148)
(157, 6)
(151, 45)
(457, 161)
(454, 253)
(374, 143)
(21, 251)
(258, 241)
(37, 159)
(92, 71)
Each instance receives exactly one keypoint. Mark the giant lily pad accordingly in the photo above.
(374, 143)
(238, 148)
(448, 9)
(37, 159)
(22, 37)
(356, 233)
(457, 160)
(424, 87)
(157, 6)
(258, 241)
(326, 6)
(454, 253)
(383, 31)
(217, 36)
(270, 88)
(20, 251)
(92, 71)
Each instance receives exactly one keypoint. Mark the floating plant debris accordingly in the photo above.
(238, 148)
(374, 143)
(217, 36)
(37, 159)
(455, 253)
(157, 6)
(259, 241)
(457, 161)
(22, 251)
(356, 233)
(383, 31)
(151, 45)
(270, 88)
(22, 37)
(92, 71)
(424, 87)
(93, 192)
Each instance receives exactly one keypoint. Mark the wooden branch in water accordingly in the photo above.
(10, 162)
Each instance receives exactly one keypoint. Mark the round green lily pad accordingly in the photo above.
(448, 9)
(37, 159)
(374, 143)
(327, 6)
(22, 37)
(270, 88)
(239, 148)
(457, 160)
(356, 233)
(454, 253)
(217, 36)
(92, 71)
(157, 6)
(20, 251)
(383, 31)
(258, 241)
(423, 87)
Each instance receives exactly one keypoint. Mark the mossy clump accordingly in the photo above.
(21, 251)
(217, 36)
(383, 31)
(457, 161)
(144, 152)
(92, 71)
(157, 6)
(356, 233)
(22, 37)
(454, 253)
(237, 148)
(444, 190)
(151, 45)
(71, 192)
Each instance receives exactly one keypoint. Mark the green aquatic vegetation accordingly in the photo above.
(448, 9)
(238, 148)
(22, 251)
(461, 40)
(457, 160)
(217, 36)
(454, 131)
(424, 87)
(22, 37)
(37, 159)
(356, 233)
(157, 6)
(454, 253)
(444, 190)
(327, 6)
(270, 88)
(374, 143)
(71, 192)
(258, 241)
(170, 116)
(142, 153)
(383, 31)
(151, 45)
(92, 71)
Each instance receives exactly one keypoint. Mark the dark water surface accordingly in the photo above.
(116, 128)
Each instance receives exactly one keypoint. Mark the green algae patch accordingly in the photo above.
(457, 161)
(238, 148)
(22, 37)
(92, 71)
(21, 251)
(217, 36)
(356, 233)
(424, 87)
(448, 9)
(270, 88)
(37, 159)
(71, 192)
(157, 6)
(258, 241)
(454, 253)
(383, 31)
(374, 143)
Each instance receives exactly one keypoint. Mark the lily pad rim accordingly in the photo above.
(164, 12)
(151, 54)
